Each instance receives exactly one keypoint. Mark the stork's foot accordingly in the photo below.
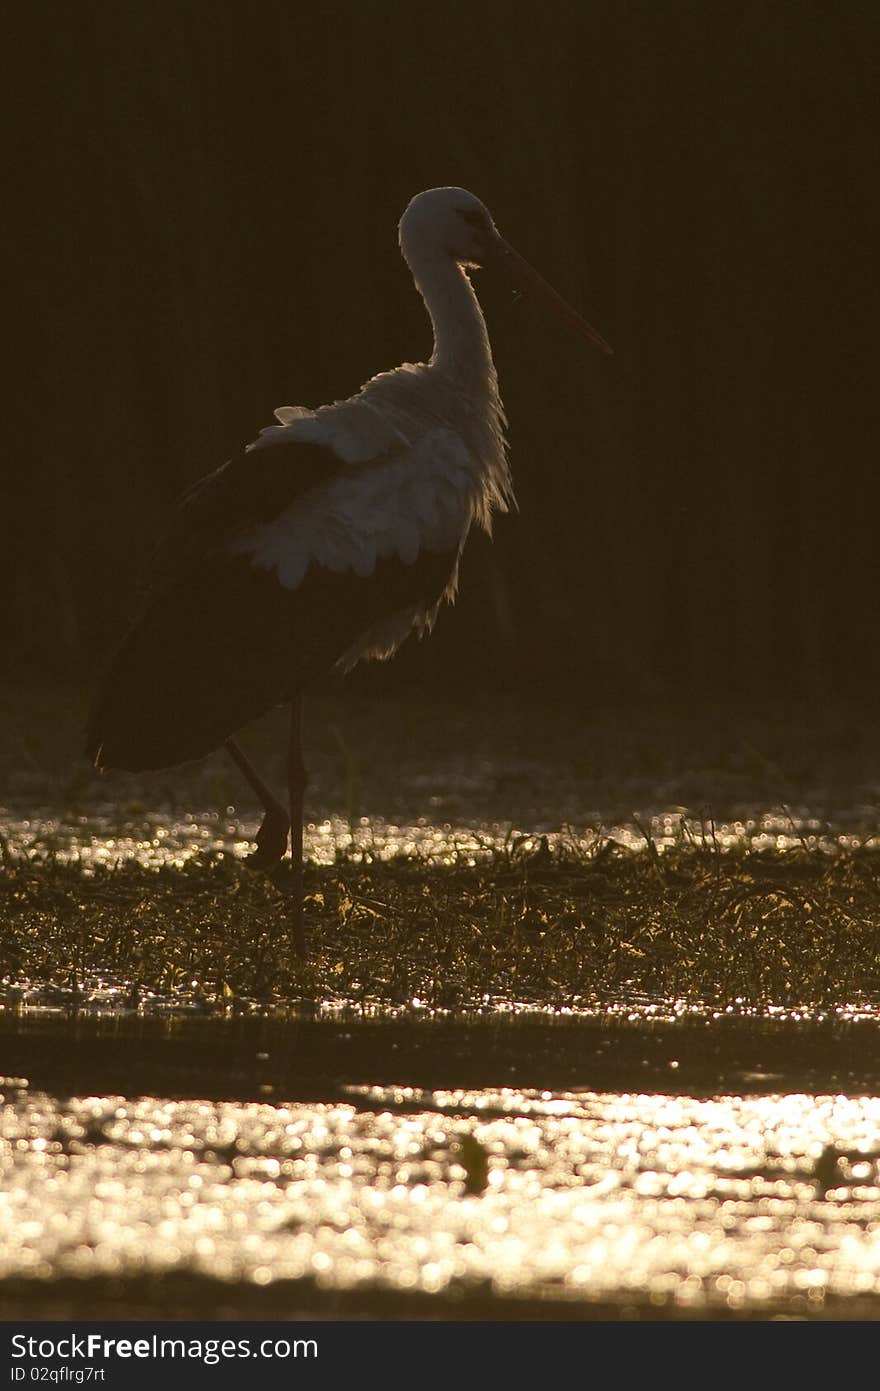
(271, 840)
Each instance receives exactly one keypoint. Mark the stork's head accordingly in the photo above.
(452, 222)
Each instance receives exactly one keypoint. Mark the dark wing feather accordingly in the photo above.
(207, 656)
(250, 488)
(218, 641)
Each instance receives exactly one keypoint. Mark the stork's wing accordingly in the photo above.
(278, 566)
(251, 488)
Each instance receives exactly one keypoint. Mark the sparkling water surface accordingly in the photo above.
(767, 1201)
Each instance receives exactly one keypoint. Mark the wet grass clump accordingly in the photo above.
(552, 928)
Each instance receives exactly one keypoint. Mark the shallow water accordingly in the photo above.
(672, 1164)
(103, 836)
(724, 1203)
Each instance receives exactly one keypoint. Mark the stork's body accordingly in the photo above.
(331, 538)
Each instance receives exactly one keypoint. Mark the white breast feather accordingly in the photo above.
(422, 498)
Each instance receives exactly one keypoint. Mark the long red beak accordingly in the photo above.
(527, 279)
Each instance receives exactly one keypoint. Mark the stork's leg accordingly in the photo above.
(296, 785)
(274, 828)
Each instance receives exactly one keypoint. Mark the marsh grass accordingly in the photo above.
(549, 927)
(552, 926)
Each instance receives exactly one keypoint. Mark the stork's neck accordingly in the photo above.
(461, 343)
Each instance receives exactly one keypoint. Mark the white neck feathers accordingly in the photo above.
(461, 343)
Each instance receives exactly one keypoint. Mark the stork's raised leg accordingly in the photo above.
(275, 826)
(296, 786)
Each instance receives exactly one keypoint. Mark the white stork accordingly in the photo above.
(334, 535)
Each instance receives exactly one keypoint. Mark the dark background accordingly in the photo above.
(210, 199)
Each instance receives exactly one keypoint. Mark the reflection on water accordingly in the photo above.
(106, 836)
(735, 1202)
(108, 997)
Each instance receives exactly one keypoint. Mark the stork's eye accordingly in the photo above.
(475, 218)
